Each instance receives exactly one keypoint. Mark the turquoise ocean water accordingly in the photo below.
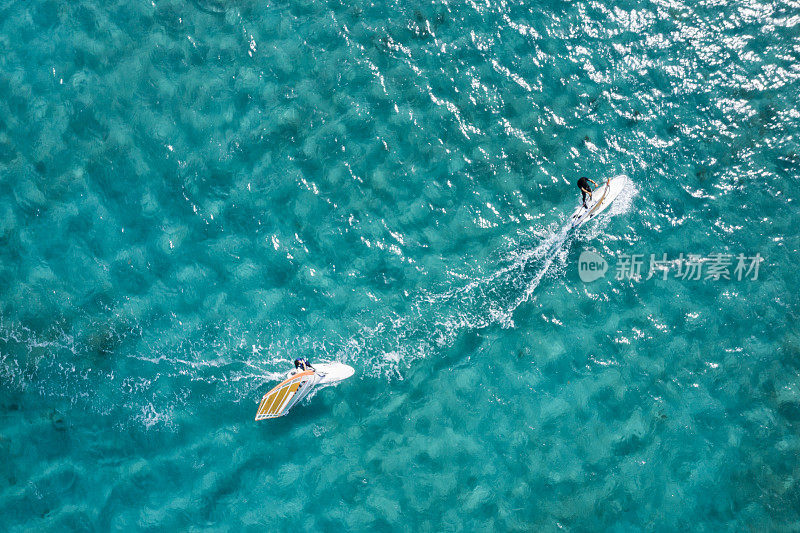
(193, 193)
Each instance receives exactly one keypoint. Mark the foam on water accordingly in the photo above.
(438, 319)
(192, 194)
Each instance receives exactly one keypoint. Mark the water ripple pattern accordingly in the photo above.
(194, 193)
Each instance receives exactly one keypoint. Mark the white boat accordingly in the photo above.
(297, 385)
(602, 197)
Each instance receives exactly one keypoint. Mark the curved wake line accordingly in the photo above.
(439, 318)
(180, 379)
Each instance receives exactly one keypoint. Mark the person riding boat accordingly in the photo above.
(583, 185)
(302, 364)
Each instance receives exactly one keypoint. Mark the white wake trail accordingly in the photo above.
(436, 319)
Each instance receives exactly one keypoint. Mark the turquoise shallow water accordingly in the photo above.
(194, 193)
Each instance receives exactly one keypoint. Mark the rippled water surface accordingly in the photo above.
(194, 193)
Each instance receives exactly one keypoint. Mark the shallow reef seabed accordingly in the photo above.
(192, 194)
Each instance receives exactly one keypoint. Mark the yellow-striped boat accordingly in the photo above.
(297, 385)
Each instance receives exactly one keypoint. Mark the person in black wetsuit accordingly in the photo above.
(302, 364)
(583, 185)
